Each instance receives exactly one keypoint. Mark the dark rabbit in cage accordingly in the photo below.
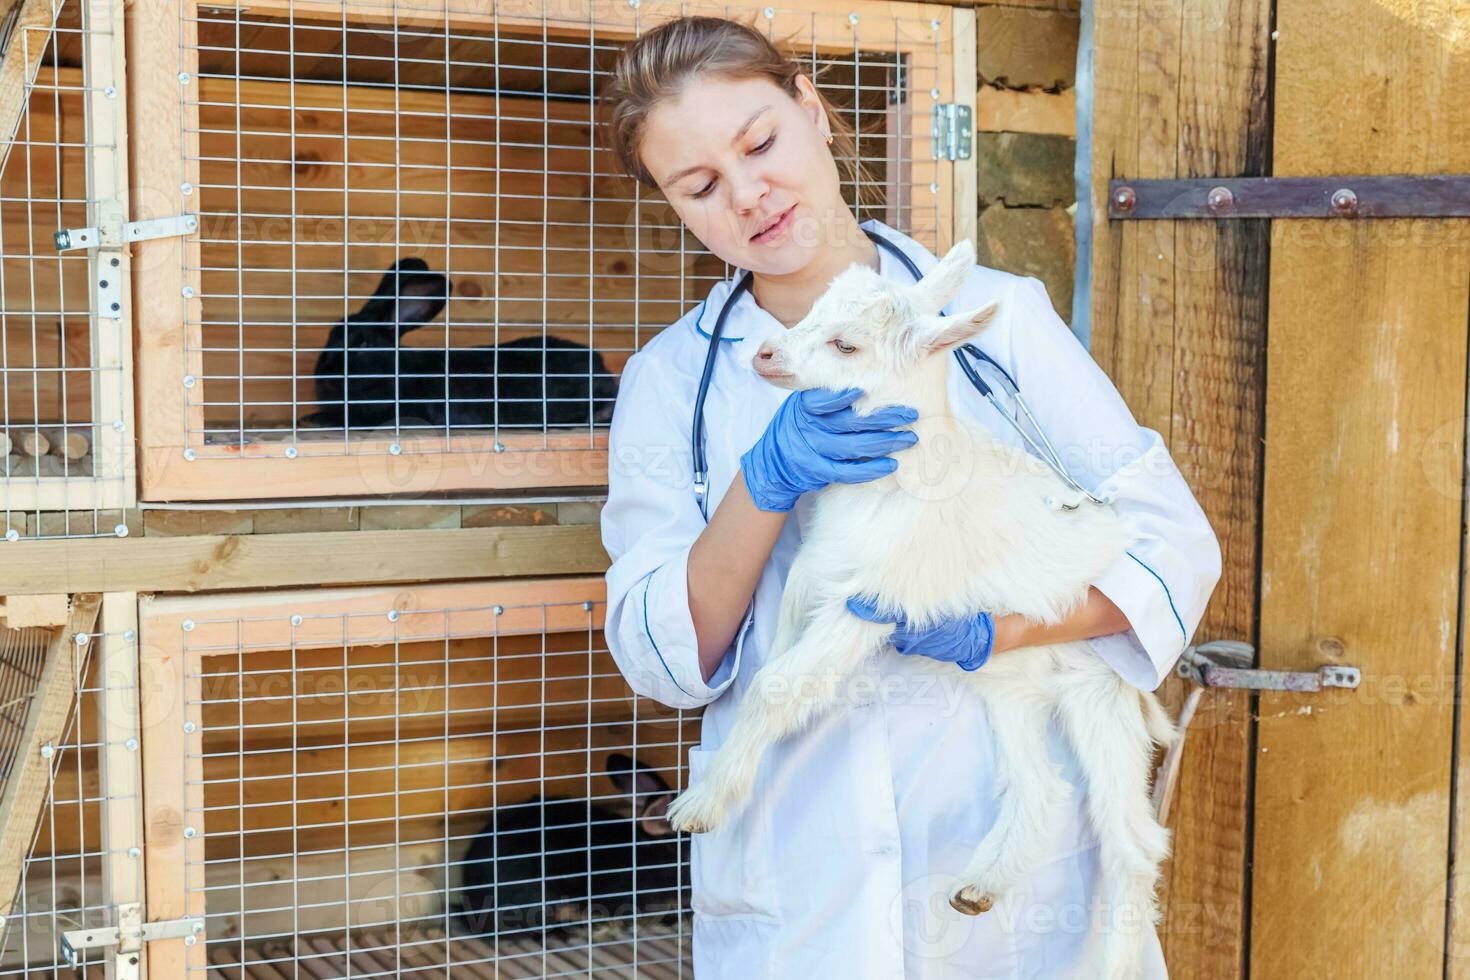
(365, 376)
(558, 862)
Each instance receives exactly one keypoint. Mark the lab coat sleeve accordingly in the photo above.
(649, 523)
(1165, 579)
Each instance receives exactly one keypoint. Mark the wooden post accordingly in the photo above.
(1360, 553)
(1178, 323)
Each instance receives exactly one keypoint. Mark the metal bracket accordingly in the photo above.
(952, 131)
(132, 231)
(1384, 196)
(1226, 663)
(128, 935)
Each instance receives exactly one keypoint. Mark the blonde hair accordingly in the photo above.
(661, 62)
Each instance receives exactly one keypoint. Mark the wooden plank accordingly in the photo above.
(20, 611)
(121, 784)
(327, 558)
(50, 705)
(964, 182)
(1178, 324)
(1003, 110)
(1360, 539)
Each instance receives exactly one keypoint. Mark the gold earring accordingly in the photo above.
(829, 139)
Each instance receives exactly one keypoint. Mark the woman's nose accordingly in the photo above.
(749, 189)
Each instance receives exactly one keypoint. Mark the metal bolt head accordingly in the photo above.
(187, 292)
(189, 453)
(290, 452)
(392, 615)
(934, 24)
(497, 610)
(852, 18)
(296, 620)
(129, 634)
(188, 381)
(190, 940)
(1344, 201)
(81, 639)
(770, 12)
(135, 852)
(633, 4)
(183, 78)
(131, 745)
(11, 534)
(934, 187)
(586, 607)
(1219, 199)
(934, 94)
(118, 425)
(499, 446)
(187, 188)
(1124, 198)
(395, 449)
(190, 832)
(48, 750)
(121, 530)
(187, 625)
(110, 92)
(189, 728)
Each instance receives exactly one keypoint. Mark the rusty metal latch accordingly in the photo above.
(128, 936)
(1227, 663)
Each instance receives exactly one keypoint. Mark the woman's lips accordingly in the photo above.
(778, 229)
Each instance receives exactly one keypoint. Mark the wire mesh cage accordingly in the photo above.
(416, 266)
(406, 782)
(65, 354)
(70, 788)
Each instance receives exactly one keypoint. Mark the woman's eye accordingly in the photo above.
(766, 145)
(844, 348)
(704, 192)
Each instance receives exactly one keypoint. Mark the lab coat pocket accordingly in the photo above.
(730, 868)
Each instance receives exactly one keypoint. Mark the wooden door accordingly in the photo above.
(1310, 378)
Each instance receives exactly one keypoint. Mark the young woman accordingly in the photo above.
(840, 865)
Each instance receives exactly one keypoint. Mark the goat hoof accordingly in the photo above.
(689, 814)
(970, 902)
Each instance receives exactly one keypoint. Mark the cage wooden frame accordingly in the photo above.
(178, 633)
(175, 464)
(111, 485)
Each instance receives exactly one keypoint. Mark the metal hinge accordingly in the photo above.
(952, 131)
(132, 231)
(1227, 663)
(128, 936)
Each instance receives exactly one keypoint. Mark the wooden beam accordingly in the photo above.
(49, 705)
(1178, 322)
(216, 562)
(1360, 542)
(1003, 110)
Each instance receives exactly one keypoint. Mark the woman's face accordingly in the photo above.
(733, 156)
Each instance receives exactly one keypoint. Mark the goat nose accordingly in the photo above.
(765, 352)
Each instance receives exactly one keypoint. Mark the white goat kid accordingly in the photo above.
(965, 523)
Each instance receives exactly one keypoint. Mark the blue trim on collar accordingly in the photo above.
(700, 316)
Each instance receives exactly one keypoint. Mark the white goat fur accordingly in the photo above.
(998, 531)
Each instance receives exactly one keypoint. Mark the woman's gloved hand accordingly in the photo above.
(815, 439)
(966, 641)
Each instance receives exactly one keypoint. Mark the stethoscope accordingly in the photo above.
(1042, 449)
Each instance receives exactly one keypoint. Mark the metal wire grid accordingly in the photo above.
(50, 332)
(330, 152)
(65, 875)
(350, 793)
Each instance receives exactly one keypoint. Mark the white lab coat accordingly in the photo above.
(839, 866)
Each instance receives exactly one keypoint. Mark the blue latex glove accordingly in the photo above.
(966, 641)
(815, 439)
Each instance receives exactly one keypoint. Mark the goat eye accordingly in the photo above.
(844, 348)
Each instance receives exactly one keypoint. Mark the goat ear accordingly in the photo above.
(943, 281)
(946, 332)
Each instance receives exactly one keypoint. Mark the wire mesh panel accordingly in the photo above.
(405, 782)
(417, 268)
(70, 801)
(65, 355)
